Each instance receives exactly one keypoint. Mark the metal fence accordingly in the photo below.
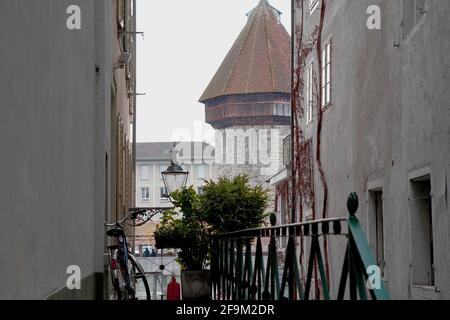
(240, 270)
(159, 272)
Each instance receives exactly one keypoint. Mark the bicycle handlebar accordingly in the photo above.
(133, 213)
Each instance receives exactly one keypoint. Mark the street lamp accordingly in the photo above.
(175, 177)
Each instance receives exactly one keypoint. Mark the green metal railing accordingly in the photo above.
(242, 271)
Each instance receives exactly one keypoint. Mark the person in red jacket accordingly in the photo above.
(173, 290)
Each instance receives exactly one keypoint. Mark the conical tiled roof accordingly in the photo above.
(259, 60)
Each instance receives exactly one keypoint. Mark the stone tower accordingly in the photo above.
(248, 100)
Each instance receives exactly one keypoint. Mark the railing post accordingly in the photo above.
(258, 284)
(225, 278)
(239, 268)
(361, 256)
(232, 291)
(248, 269)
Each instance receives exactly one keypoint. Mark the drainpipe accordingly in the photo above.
(134, 99)
(293, 185)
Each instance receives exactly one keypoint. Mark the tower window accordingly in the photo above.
(281, 109)
(201, 171)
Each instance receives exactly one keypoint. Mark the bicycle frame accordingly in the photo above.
(119, 259)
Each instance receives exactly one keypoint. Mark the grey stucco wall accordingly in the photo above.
(52, 135)
(389, 117)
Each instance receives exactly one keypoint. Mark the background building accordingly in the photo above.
(152, 158)
(66, 163)
(385, 132)
(248, 100)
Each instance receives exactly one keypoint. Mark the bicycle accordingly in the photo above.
(127, 274)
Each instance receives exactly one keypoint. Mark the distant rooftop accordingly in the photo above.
(162, 150)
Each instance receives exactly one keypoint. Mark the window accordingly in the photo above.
(309, 94)
(200, 190)
(283, 212)
(145, 172)
(412, 12)
(278, 109)
(326, 75)
(163, 193)
(162, 168)
(282, 109)
(313, 5)
(376, 227)
(120, 7)
(287, 109)
(145, 193)
(201, 172)
(422, 256)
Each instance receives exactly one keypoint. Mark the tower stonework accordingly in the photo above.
(248, 100)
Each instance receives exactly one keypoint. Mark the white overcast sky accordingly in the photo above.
(185, 42)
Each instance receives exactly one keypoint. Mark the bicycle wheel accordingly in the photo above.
(138, 281)
(120, 275)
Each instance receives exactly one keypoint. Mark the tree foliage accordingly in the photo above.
(232, 204)
(225, 206)
(187, 233)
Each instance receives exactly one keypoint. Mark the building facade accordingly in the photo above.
(374, 103)
(66, 137)
(248, 100)
(152, 158)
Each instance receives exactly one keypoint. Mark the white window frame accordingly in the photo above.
(309, 93)
(419, 176)
(201, 168)
(145, 177)
(162, 168)
(313, 4)
(161, 197)
(147, 198)
(326, 71)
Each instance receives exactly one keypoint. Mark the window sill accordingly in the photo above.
(313, 8)
(413, 31)
(422, 292)
(325, 108)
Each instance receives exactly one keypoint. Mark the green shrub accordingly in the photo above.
(187, 233)
(232, 204)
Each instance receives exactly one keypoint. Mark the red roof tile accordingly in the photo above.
(259, 60)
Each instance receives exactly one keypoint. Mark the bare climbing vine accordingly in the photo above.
(302, 183)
